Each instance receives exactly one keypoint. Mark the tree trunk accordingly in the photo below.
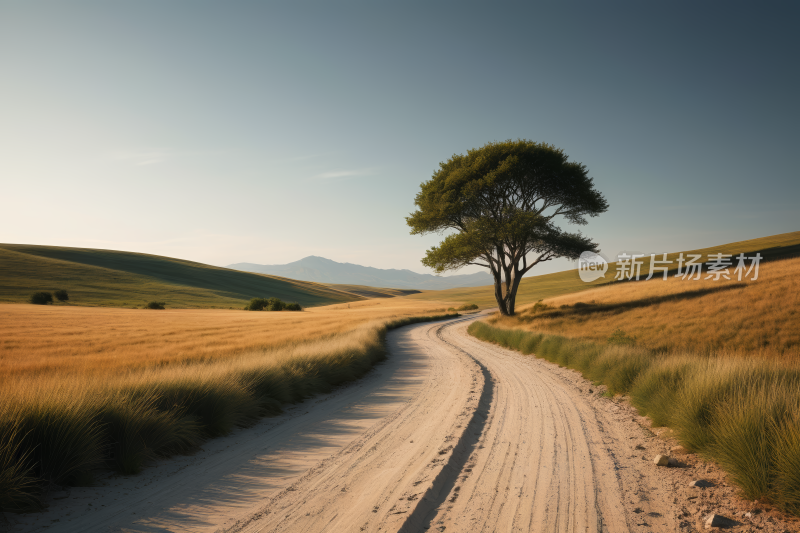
(511, 296)
(506, 302)
(498, 292)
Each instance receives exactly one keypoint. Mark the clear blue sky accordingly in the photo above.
(266, 132)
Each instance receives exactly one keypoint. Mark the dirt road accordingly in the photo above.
(451, 434)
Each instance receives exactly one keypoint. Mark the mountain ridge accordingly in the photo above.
(323, 270)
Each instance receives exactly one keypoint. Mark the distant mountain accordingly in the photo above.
(321, 270)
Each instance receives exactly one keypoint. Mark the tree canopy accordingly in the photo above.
(503, 201)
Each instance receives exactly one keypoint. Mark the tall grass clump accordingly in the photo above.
(18, 485)
(742, 413)
(59, 431)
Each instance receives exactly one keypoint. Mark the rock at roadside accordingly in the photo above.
(661, 460)
(716, 520)
(701, 484)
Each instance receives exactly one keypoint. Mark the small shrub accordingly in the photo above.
(620, 337)
(271, 304)
(539, 306)
(256, 304)
(275, 304)
(62, 296)
(467, 307)
(155, 305)
(41, 298)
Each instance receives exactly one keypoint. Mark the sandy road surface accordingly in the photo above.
(451, 434)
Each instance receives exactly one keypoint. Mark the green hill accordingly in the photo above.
(112, 278)
(535, 288)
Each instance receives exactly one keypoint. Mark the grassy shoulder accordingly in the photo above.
(125, 279)
(57, 429)
(535, 288)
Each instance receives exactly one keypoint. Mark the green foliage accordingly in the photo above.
(275, 304)
(61, 295)
(155, 305)
(271, 304)
(620, 337)
(467, 307)
(539, 306)
(741, 413)
(256, 304)
(501, 199)
(41, 298)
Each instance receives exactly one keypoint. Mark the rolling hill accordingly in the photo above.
(321, 270)
(112, 278)
(535, 288)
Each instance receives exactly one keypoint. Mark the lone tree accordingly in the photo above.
(503, 200)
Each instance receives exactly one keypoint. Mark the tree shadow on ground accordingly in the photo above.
(582, 309)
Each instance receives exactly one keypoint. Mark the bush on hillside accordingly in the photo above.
(467, 307)
(256, 304)
(271, 304)
(61, 295)
(155, 305)
(620, 337)
(275, 304)
(41, 298)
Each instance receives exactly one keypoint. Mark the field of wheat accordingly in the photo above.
(753, 318)
(91, 388)
(38, 340)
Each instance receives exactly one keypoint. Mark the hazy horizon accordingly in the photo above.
(261, 133)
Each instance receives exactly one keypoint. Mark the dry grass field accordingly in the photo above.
(91, 388)
(752, 318)
(716, 361)
(37, 340)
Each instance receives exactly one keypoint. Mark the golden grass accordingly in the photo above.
(88, 388)
(41, 340)
(753, 318)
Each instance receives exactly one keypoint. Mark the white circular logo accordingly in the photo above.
(592, 266)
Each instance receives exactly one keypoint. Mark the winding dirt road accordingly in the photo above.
(451, 434)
